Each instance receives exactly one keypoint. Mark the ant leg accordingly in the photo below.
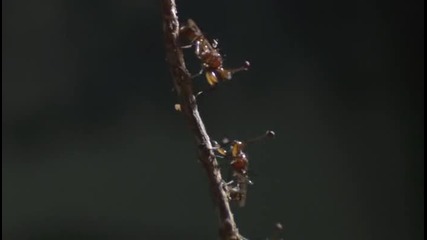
(205, 91)
(215, 43)
(186, 46)
(195, 75)
(229, 183)
(198, 74)
(250, 182)
(197, 48)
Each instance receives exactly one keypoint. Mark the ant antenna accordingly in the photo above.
(268, 134)
(245, 67)
(278, 229)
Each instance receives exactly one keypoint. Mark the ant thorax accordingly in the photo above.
(212, 63)
(240, 165)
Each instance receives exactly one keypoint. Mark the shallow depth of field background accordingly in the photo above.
(93, 149)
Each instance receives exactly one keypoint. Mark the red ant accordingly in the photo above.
(239, 164)
(208, 54)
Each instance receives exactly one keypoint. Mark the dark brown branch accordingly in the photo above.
(183, 86)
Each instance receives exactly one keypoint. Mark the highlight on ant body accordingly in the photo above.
(239, 165)
(208, 54)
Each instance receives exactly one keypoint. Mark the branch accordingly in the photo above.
(183, 86)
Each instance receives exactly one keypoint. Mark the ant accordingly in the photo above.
(208, 54)
(239, 165)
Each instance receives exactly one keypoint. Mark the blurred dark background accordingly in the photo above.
(93, 149)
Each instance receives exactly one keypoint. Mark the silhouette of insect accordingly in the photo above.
(212, 61)
(239, 165)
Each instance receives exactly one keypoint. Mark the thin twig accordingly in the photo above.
(183, 87)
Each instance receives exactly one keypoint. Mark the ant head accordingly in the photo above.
(211, 78)
(236, 148)
(225, 73)
(218, 148)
